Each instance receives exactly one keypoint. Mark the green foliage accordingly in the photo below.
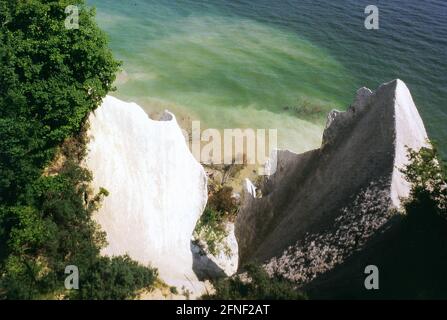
(51, 78)
(223, 202)
(56, 230)
(211, 228)
(427, 175)
(255, 284)
(426, 226)
(115, 278)
(173, 290)
(221, 208)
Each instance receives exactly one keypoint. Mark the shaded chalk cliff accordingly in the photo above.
(157, 189)
(322, 205)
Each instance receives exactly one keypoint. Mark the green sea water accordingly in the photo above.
(258, 64)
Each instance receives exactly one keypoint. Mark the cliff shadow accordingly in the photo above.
(203, 266)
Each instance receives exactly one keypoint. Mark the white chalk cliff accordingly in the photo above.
(315, 210)
(157, 189)
(349, 184)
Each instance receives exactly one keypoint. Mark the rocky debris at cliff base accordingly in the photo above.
(320, 252)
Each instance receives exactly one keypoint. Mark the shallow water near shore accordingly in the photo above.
(275, 64)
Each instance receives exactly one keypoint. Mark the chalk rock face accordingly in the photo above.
(157, 189)
(354, 175)
(224, 264)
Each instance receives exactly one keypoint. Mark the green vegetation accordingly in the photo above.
(221, 208)
(255, 284)
(115, 278)
(51, 78)
(211, 229)
(173, 290)
(427, 174)
(424, 233)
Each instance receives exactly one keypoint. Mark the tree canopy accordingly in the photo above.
(51, 78)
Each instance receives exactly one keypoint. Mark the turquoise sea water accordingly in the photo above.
(276, 64)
